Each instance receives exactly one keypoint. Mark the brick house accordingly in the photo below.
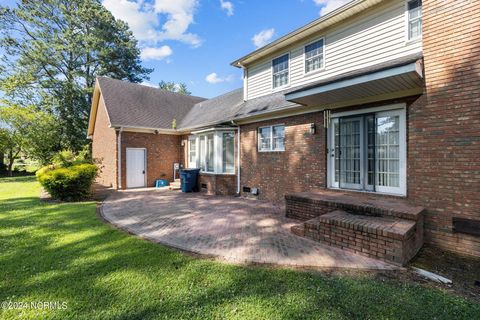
(378, 99)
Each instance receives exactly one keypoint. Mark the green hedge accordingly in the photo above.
(68, 184)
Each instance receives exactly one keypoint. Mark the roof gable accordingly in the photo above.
(134, 105)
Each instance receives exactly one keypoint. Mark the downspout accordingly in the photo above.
(238, 157)
(119, 157)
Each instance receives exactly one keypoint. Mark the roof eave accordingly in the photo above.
(328, 19)
(93, 110)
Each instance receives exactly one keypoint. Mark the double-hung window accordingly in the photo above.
(280, 71)
(368, 151)
(212, 151)
(414, 19)
(314, 56)
(271, 138)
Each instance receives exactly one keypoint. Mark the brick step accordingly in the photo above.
(308, 205)
(298, 230)
(390, 239)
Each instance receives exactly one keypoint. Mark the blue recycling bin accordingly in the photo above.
(188, 178)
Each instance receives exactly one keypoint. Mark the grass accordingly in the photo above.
(63, 252)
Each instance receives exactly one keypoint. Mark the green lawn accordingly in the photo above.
(63, 252)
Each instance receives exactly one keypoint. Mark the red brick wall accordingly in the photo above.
(162, 152)
(219, 184)
(104, 148)
(444, 132)
(300, 167)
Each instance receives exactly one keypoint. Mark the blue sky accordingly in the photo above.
(194, 41)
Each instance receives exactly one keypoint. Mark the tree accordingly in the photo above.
(174, 87)
(54, 49)
(29, 131)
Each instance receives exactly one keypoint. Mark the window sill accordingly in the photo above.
(413, 41)
(382, 194)
(313, 73)
(277, 89)
(271, 151)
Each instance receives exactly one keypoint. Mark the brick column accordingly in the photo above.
(444, 131)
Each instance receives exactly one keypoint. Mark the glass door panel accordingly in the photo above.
(348, 153)
(368, 152)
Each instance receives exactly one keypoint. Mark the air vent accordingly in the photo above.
(247, 189)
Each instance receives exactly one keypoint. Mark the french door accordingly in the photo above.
(368, 152)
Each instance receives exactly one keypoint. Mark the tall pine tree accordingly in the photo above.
(52, 52)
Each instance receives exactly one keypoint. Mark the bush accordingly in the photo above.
(68, 184)
(67, 158)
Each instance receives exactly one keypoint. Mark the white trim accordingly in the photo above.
(137, 128)
(305, 73)
(119, 159)
(193, 164)
(407, 25)
(274, 89)
(144, 166)
(201, 137)
(369, 110)
(238, 160)
(398, 109)
(271, 138)
(213, 129)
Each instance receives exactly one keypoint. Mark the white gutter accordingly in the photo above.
(119, 157)
(238, 157)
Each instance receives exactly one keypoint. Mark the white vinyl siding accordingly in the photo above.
(372, 38)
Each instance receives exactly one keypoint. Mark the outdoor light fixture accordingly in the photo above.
(313, 129)
(156, 131)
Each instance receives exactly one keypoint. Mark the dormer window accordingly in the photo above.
(414, 16)
(314, 56)
(280, 71)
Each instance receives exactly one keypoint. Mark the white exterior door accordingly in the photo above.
(367, 151)
(136, 159)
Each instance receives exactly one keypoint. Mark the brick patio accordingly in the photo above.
(234, 229)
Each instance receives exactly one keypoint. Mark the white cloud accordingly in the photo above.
(329, 5)
(214, 78)
(179, 17)
(263, 37)
(227, 6)
(155, 53)
(145, 19)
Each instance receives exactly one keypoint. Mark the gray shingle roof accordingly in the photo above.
(216, 110)
(264, 104)
(133, 105)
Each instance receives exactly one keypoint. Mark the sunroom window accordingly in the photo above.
(212, 151)
(280, 71)
(414, 19)
(314, 56)
(368, 152)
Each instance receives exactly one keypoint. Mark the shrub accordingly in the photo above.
(68, 184)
